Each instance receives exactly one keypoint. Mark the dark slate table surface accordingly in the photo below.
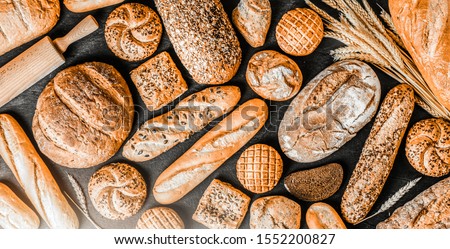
(93, 48)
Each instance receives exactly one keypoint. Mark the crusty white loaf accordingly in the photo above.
(23, 20)
(78, 6)
(210, 151)
(34, 176)
(14, 214)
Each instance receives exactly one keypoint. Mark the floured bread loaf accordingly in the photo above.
(78, 6)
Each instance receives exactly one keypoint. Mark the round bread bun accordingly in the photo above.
(299, 32)
(428, 147)
(117, 191)
(133, 31)
(275, 212)
(83, 115)
(160, 218)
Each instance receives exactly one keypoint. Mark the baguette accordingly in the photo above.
(428, 210)
(210, 151)
(378, 154)
(14, 214)
(192, 114)
(203, 38)
(79, 6)
(34, 176)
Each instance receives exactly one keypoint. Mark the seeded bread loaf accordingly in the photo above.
(203, 38)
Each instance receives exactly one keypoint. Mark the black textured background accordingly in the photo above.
(93, 48)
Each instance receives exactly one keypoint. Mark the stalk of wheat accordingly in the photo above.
(374, 40)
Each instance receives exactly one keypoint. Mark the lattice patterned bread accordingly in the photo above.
(299, 32)
(160, 218)
(259, 168)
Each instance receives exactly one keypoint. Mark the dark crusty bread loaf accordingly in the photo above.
(428, 210)
(202, 37)
(33, 175)
(191, 115)
(83, 115)
(23, 20)
(210, 151)
(378, 154)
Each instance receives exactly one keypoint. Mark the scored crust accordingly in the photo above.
(160, 218)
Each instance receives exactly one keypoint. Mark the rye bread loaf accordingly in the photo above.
(79, 6)
(428, 210)
(191, 115)
(203, 38)
(424, 27)
(378, 154)
(83, 115)
(23, 20)
(329, 111)
(210, 151)
(34, 176)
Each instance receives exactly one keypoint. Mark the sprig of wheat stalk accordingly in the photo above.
(374, 40)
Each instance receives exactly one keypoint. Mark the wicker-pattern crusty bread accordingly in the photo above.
(79, 6)
(378, 154)
(191, 115)
(203, 38)
(24, 20)
(428, 210)
(33, 175)
(83, 115)
(329, 111)
(222, 206)
(160, 218)
(424, 27)
(428, 147)
(252, 19)
(210, 151)
(14, 213)
(117, 191)
(275, 212)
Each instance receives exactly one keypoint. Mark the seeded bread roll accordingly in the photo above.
(14, 214)
(210, 151)
(378, 154)
(428, 210)
(34, 176)
(83, 115)
(117, 191)
(191, 115)
(23, 20)
(203, 38)
(79, 6)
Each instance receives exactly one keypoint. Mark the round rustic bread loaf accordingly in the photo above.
(275, 212)
(428, 147)
(133, 31)
(83, 115)
(160, 218)
(117, 191)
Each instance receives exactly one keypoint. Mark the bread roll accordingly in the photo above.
(329, 111)
(378, 154)
(191, 115)
(34, 176)
(275, 212)
(424, 27)
(23, 20)
(323, 216)
(202, 37)
(83, 115)
(14, 214)
(79, 6)
(428, 210)
(210, 151)
(160, 218)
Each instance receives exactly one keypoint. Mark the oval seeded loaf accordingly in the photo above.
(22, 21)
(329, 111)
(203, 38)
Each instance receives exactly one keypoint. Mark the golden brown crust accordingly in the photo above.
(252, 19)
(275, 212)
(158, 81)
(428, 147)
(222, 206)
(299, 32)
(323, 216)
(259, 168)
(160, 218)
(83, 115)
(117, 191)
(133, 31)
(203, 38)
(378, 154)
(23, 20)
(273, 76)
(79, 6)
